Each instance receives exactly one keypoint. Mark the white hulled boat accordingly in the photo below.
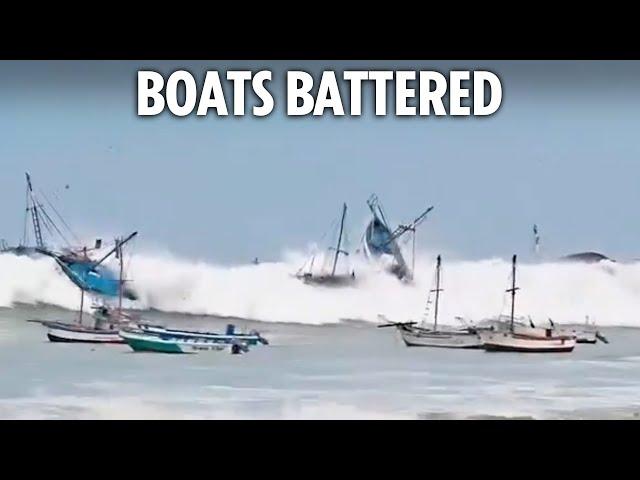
(520, 338)
(415, 335)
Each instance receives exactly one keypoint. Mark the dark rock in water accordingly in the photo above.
(586, 257)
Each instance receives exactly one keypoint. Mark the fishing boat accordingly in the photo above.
(421, 335)
(106, 321)
(332, 278)
(380, 243)
(90, 275)
(589, 334)
(520, 338)
(164, 341)
(68, 333)
(230, 336)
(75, 262)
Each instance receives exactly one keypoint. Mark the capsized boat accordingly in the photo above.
(380, 242)
(332, 278)
(520, 338)
(415, 335)
(161, 340)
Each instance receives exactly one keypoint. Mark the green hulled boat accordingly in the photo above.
(144, 341)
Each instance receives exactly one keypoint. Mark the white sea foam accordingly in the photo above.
(608, 292)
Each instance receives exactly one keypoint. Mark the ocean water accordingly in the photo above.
(343, 370)
(327, 359)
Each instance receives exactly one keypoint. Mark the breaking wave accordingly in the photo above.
(608, 293)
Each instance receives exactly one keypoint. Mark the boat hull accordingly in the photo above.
(71, 334)
(226, 338)
(146, 342)
(328, 280)
(441, 339)
(510, 342)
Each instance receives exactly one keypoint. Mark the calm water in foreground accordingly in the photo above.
(340, 371)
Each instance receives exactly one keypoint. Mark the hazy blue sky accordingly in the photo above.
(563, 152)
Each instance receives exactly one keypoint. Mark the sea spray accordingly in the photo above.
(608, 293)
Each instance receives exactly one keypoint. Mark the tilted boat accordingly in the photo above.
(90, 275)
(520, 338)
(106, 321)
(332, 278)
(380, 241)
(415, 335)
(75, 262)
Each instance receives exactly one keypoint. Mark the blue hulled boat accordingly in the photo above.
(380, 241)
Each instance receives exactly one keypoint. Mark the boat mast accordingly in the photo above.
(121, 281)
(33, 206)
(513, 289)
(335, 259)
(81, 305)
(437, 290)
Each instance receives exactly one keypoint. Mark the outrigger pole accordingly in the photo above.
(115, 249)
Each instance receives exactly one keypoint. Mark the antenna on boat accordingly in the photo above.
(513, 289)
(437, 290)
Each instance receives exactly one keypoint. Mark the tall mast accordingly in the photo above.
(81, 305)
(33, 206)
(121, 282)
(335, 259)
(437, 290)
(512, 290)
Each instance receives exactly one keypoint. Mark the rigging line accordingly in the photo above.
(61, 218)
(46, 222)
(46, 225)
(44, 212)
